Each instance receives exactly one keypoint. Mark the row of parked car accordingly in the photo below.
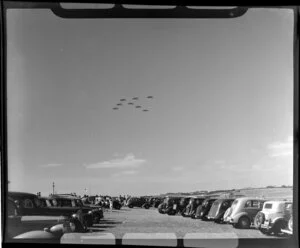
(34, 217)
(270, 217)
(143, 202)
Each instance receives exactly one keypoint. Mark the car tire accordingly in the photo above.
(130, 206)
(87, 222)
(96, 219)
(244, 222)
(278, 226)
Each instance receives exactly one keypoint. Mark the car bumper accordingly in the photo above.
(266, 226)
(231, 221)
(286, 231)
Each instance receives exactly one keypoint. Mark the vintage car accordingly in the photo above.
(273, 217)
(179, 205)
(30, 204)
(116, 203)
(242, 211)
(218, 209)
(194, 203)
(171, 203)
(162, 206)
(91, 214)
(203, 209)
(157, 201)
(137, 202)
(37, 227)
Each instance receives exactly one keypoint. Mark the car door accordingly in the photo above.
(252, 207)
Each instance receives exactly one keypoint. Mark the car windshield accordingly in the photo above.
(175, 101)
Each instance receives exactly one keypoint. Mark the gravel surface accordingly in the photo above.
(136, 221)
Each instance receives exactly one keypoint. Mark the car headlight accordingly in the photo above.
(75, 216)
(90, 212)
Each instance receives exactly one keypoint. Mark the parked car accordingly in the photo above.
(30, 204)
(137, 202)
(203, 209)
(191, 208)
(116, 203)
(157, 201)
(50, 229)
(171, 207)
(242, 211)
(162, 206)
(274, 216)
(91, 214)
(179, 205)
(218, 209)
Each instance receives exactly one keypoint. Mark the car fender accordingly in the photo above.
(37, 235)
(279, 219)
(237, 216)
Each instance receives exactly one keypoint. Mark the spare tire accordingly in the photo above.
(160, 208)
(259, 219)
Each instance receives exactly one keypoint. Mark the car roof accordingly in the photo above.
(278, 202)
(224, 199)
(71, 197)
(20, 194)
(249, 198)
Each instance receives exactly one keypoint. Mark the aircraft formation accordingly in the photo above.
(134, 101)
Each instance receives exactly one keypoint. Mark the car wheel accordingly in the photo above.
(147, 206)
(87, 222)
(278, 226)
(97, 219)
(130, 206)
(244, 222)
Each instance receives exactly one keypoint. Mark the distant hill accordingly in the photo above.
(269, 192)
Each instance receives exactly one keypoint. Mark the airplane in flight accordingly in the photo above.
(135, 98)
(150, 97)
(130, 103)
(119, 104)
(122, 100)
(145, 110)
(115, 108)
(138, 106)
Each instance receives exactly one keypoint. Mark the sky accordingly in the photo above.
(221, 116)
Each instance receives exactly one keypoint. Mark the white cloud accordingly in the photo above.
(281, 149)
(128, 161)
(128, 172)
(50, 165)
(177, 168)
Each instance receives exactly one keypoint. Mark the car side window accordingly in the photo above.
(27, 203)
(248, 204)
(255, 204)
